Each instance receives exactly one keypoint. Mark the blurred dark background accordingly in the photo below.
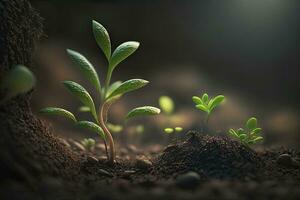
(246, 50)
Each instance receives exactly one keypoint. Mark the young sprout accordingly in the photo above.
(19, 80)
(167, 106)
(207, 105)
(88, 143)
(108, 93)
(250, 135)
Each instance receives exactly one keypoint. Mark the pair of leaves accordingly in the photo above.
(18, 80)
(143, 111)
(120, 53)
(172, 130)
(207, 105)
(166, 104)
(250, 137)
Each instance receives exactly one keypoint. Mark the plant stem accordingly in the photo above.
(112, 151)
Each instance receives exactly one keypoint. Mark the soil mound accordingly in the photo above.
(210, 156)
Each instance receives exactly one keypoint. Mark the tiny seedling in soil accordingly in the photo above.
(17, 81)
(88, 143)
(108, 93)
(207, 105)
(167, 106)
(250, 135)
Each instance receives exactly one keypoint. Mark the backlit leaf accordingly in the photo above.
(59, 112)
(166, 104)
(178, 129)
(86, 68)
(92, 127)
(251, 123)
(202, 107)
(205, 98)
(84, 109)
(81, 93)
(215, 102)
(168, 130)
(143, 111)
(128, 86)
(102, 38)
(197, 100)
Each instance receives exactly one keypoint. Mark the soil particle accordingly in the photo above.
(189, 180)
(287, 161)
(143, 163)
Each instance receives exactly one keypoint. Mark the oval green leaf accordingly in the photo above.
(82, 94)
(166, 104)
(121, 53)
(18, 80)
(197, 100)
(178, 129)
(92, 127)
(202, 107)
(86, 68)
(168, 130)
(128, 86)
(233, 133)
(215, 102)
(112, 87)
(143, 111)
(205, 98)
(102, 38)
(84, 109)
(59, 112)
(258, 139)
(251, 123)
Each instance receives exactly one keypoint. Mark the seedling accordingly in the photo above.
(249, 135)
(88, 143)
(207, 105)
(19, 80)
(108, 93)
(167, 106)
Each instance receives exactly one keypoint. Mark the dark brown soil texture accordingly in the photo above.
(226, 170)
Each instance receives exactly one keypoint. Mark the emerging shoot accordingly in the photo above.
(108, 93)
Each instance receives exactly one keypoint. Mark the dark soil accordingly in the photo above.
(226, 170)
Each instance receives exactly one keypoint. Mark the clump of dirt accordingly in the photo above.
(210, 156)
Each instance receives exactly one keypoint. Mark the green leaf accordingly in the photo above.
(197, 100)
(251, 123)
(205, 98)
(84, 109)
(168, 130)
(59, 112)
(92, 127)
(86, 68)
(121, 53)
(18, 80)
(102, 38)
(215, 102)
(128, 86)
(241, 131)
(143, 111)
(202, 107)
(115, 128)
(81, 93)
(166, 104)
(258, 139)
(256, 131)
(242, 136)
(112, 87)
(178, 129)
(233, 133)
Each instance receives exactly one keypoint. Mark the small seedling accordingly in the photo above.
(167, 106)
(19, 80)
(108, 93)
(88, 143)
(207, 105)
(250, 135)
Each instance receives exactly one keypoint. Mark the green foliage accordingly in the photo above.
(59, 112)
(115, 128)
(207, 105)
(92, 127)
(250, 135)
(82, 94)
(88, 143)
(128, 86)
(166, 104)
(143, 111)
(108, 93)
(17, 81)
(86, 68)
